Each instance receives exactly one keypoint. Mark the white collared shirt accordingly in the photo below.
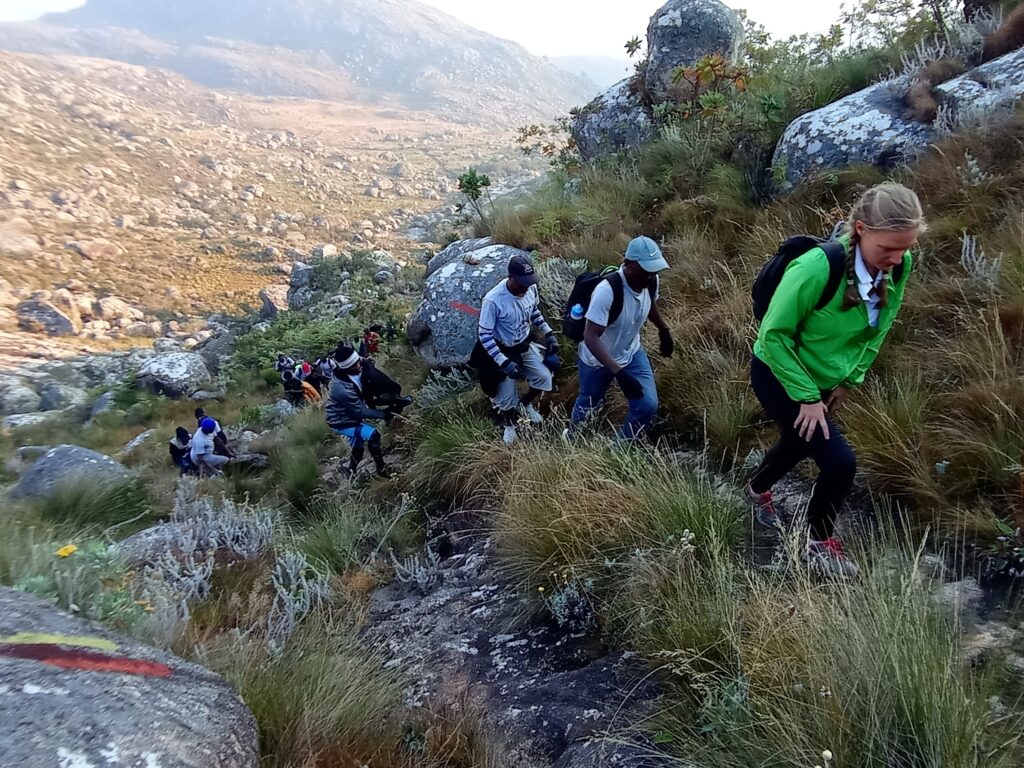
(864, 284)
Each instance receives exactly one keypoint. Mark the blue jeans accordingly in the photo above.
(594, 383)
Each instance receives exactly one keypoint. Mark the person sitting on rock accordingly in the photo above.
(220, 438)
(357, 387)
(202, 450)
(180, 449)
(505, 353)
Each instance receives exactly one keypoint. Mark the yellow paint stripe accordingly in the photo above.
(79, 641)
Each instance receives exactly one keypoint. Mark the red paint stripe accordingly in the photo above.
(464, 308)
(79, 659)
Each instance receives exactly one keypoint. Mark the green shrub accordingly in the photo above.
(297, 470)
(84, 502)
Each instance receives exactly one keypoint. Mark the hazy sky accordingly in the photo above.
(559, 27)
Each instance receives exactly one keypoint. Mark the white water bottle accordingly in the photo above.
(576, 313)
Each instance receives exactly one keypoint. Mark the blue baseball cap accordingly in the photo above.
(646, 253)
(207, 425)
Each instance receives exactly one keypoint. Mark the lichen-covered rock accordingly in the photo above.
(455, 251)
(444, 327)
(16, 396)
(39, 316)
(67, 464)
(173, 374)
(612, 122)
(75, 694)
(679, 34)
(869, 127)
(301, 275)
(682, 32)
(54, 396)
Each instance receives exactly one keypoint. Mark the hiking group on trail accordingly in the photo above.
(815, 343)
(824, 307)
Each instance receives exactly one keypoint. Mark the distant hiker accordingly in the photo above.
(505, 352)
(294, 391)
(284, 363)
(326, 366)
(357, 389)
(202, 451)
(370, 344)
(619, 306)
(220, 439)
(817, 342)
(180, 449)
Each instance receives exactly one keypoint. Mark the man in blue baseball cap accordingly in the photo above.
(611, 348)
(202, 452)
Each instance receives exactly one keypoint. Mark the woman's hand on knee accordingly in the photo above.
(812, 415)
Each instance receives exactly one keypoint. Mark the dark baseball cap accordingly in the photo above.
(521, 268)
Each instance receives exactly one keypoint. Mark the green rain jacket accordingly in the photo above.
(814, 351)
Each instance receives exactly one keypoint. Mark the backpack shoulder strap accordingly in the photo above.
(618, 296)
(835, 252)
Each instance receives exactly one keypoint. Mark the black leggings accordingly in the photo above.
(834, 457)
(376, 452)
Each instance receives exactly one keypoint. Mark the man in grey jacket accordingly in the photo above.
(347, 409)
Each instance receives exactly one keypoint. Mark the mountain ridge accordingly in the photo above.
(329, 49)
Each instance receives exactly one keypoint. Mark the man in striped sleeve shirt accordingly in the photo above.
(506, 353)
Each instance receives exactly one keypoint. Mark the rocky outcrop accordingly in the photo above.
(679, 34)
(274, 299)
(300, 290)
(614, 121)
(75, 694)
(67, 464)
(443, 329)
(174, 374)
(16, 396)
(870, 128)
(41, 316)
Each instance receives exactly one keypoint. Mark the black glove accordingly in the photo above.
(551, 342)
(511, 370)
(552, 361)
(631, 388)
(388, 417)
(668, 346)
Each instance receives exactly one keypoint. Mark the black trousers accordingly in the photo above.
(836, 462)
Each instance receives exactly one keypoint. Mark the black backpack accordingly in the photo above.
(583, 290)
(770, 276)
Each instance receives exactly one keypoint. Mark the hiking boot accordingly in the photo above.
(829, 558)
(509, 435)
(532, 414)
(764, 508)
(386, 472)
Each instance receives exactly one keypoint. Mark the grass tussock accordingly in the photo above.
(83, 503)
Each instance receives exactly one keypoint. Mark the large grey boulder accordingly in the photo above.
(40, 316)
(614, 121)
(75, 694)
(443, 329)
(455, 251)
(67, 464)
(56, 396)
(174, 374)
(682, 32)
(274, 299)
(16, 396)
(679, 34)
(869, 127)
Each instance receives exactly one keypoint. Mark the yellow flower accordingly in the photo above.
(540, 589)
(67, 551)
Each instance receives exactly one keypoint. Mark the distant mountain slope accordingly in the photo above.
(605, 71)
(374, 49)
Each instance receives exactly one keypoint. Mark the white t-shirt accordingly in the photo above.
(202, 444)
(623, 336)
(864, 284)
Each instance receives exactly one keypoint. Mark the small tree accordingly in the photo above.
(474, 187)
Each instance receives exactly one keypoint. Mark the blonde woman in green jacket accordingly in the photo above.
(806, 360)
